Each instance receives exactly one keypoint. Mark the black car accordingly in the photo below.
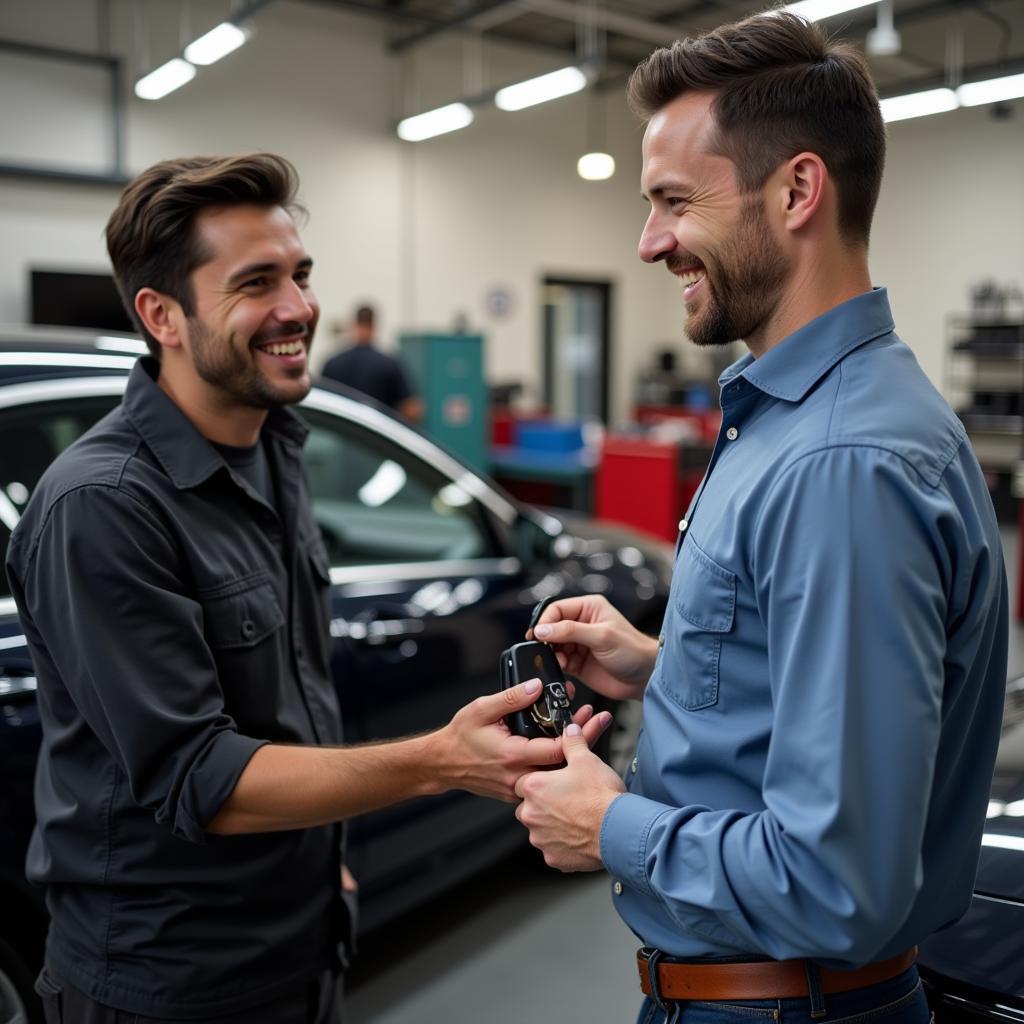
(434, 573)
(974, 971)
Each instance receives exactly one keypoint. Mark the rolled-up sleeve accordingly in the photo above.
(855, 563)
(103, 587)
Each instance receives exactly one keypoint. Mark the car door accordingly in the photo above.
(426, 596)
(37, 420)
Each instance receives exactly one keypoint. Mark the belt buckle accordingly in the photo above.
(652, 957)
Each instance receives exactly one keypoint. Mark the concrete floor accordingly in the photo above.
(521, 943)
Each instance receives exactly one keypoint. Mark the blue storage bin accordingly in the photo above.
(549, 436)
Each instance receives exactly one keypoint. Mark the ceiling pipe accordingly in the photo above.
(490, 14)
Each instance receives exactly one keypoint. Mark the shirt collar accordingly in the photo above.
(185, 455)
(790, 369)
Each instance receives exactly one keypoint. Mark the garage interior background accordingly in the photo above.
(427, 230)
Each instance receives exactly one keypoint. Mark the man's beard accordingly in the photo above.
(744, 281)
(233, 370)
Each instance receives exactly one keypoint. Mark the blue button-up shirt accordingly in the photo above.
(822, 720)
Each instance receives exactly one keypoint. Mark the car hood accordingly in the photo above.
(584, 536)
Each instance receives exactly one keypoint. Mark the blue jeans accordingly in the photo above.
(899, 1000)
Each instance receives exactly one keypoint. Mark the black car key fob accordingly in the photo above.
(550, 713)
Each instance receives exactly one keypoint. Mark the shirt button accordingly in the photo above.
(636, 764)
(248, 629)
(683, 525)
(661, 640)
(732, 433)
(617, 888)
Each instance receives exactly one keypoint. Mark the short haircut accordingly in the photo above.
(365, 316)
(782, 87)
(151, 234)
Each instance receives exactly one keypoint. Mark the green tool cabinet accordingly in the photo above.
(447, 372)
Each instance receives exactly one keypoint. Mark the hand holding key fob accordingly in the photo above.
(551, 713)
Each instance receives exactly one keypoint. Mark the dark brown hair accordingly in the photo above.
(151, 234)
(782, 87)
(365, 316)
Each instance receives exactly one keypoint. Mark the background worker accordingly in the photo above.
(365, 368)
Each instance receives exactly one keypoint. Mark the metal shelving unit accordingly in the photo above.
(985, 385)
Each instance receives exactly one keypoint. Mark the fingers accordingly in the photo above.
(592, 730)
(574, 743)
(568, 631)
(495, 706)
(571, 608)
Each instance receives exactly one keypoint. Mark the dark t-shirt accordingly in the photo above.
(373, 373)
(251, 464)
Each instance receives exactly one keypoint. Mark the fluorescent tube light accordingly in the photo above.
(918, 104)
(815, 10)
(435, 122)
(595, 166)
(995, 90)
(551, 86)
(168, 77)
(217, 43)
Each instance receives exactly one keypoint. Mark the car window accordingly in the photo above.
(377, 503)
(31, 437)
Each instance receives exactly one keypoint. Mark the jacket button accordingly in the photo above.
(617, 888)
(248, 629)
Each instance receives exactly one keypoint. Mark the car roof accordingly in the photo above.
(33, 339)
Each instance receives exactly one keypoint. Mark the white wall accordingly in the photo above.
(951, 215)
(424, 231)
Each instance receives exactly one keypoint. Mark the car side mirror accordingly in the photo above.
(534, 544)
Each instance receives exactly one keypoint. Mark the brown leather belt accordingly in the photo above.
(770, 979)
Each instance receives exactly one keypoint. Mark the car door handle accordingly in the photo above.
(15, 685)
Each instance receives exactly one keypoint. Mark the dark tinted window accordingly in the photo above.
(31, 437)
(377, 503)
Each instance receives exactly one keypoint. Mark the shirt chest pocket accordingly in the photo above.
(701, 611)
(242, 613)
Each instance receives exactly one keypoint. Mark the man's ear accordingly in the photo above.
(802, 189)
(160, 315)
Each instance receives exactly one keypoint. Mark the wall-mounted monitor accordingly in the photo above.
(68, 299)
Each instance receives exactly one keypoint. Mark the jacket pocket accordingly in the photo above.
(241, 614)
(702, 606)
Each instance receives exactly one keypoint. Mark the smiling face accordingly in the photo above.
(254, 311)
(717, 240)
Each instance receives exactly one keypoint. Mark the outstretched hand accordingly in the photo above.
(478, 753)
(563, 809)
(596, 642)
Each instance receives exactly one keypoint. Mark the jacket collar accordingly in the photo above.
(790, 369)
(185, 455)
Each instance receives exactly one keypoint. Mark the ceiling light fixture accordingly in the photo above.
(445, 119)
(217, 43)
(595, 166)
(918, 104)
(551, 86)
(165, 79)
(816, 10)
(994, 90)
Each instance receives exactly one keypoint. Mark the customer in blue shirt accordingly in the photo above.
(822, 709)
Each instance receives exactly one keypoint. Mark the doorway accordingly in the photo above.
(577, 347)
